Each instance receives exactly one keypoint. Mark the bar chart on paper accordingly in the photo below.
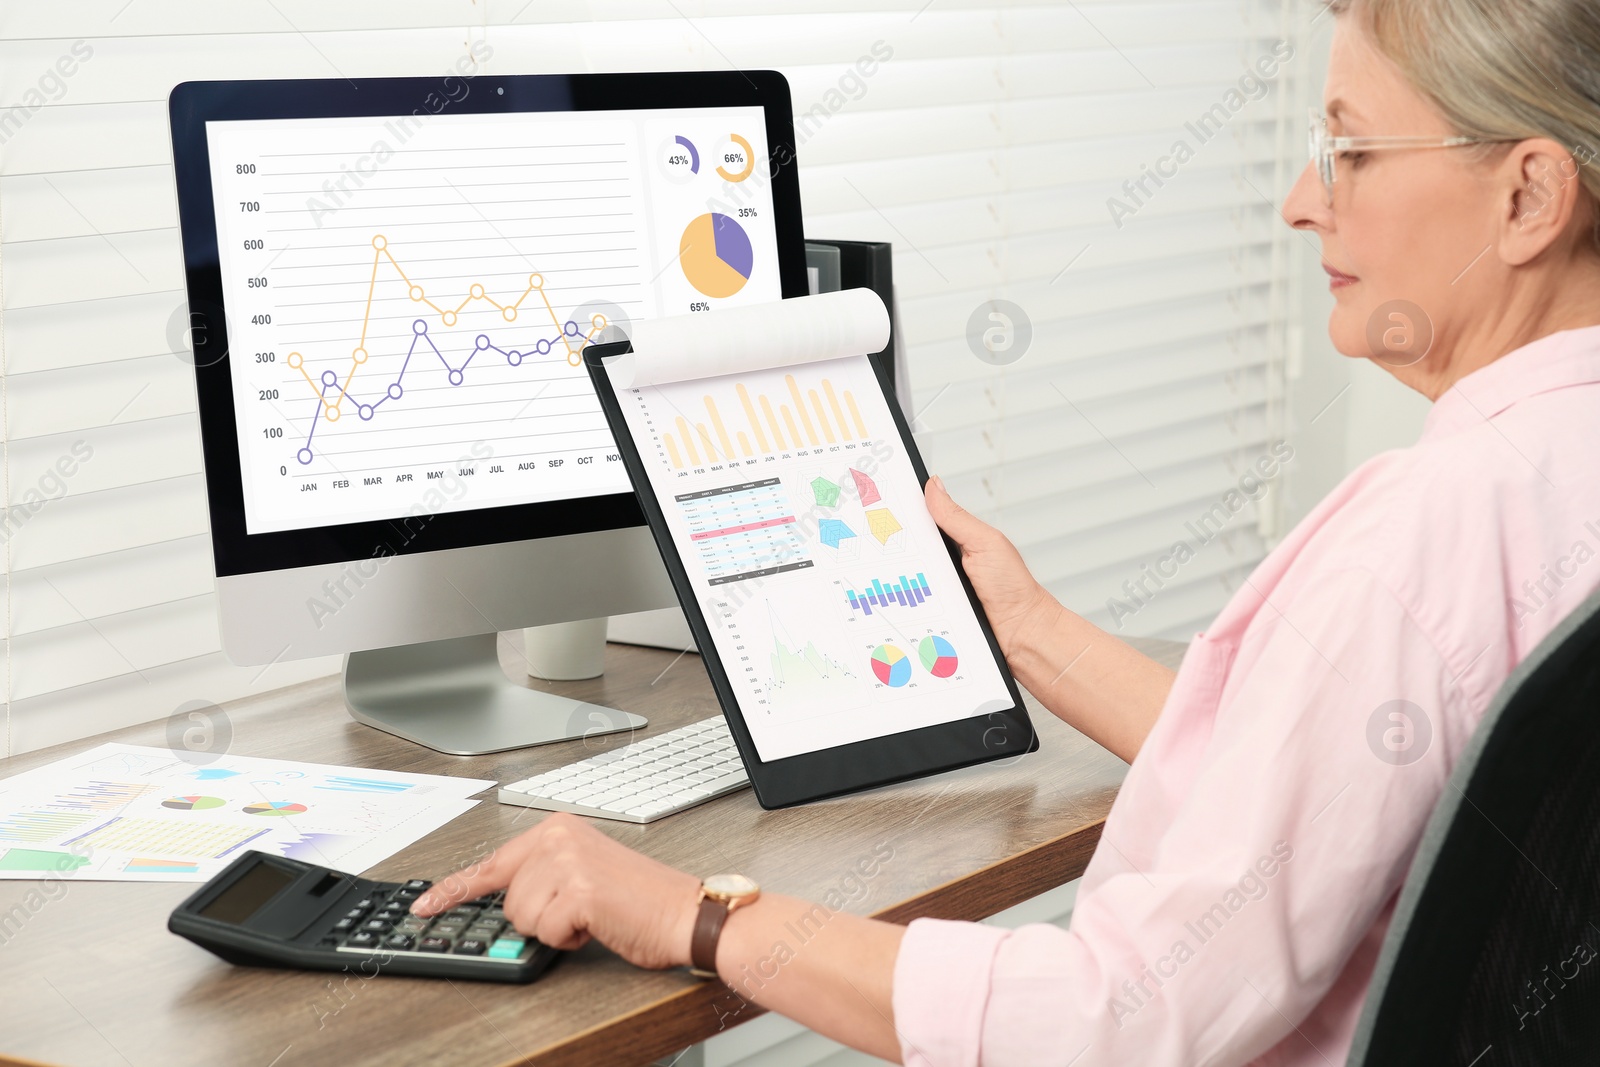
(732, 422)
(905, 592)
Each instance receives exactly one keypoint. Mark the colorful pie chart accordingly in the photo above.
(938, 656)
(891, 665)
(274, 807)
(716, 255)
(192, 803)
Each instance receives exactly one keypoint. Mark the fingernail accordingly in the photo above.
(422, 903)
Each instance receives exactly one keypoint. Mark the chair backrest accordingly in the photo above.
(1493, 954)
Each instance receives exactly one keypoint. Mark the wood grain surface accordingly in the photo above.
(92, 977)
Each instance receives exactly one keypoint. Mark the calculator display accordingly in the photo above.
(245, 897)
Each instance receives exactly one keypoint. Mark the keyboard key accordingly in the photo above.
(507, 948)
(416, 885)
(362, 939)
(471, 947)
(434, 944)
(345, 924)
(377, 926)
(400, 942)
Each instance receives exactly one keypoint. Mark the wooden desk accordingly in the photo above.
(93, 977)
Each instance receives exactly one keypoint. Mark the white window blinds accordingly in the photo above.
(990, 142)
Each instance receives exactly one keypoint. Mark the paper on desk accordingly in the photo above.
(131, 814)
(783, 333)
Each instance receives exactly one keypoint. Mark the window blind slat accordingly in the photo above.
(77, 399)
(101, 331)
(88, 524)
(182, 18)
(113, 584)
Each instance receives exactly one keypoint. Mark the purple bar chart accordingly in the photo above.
(907, 593)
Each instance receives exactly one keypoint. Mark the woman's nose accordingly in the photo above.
(1306, 206)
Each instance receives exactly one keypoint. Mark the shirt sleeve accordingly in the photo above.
(1208, 940)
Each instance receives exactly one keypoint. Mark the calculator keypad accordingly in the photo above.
(382, 922)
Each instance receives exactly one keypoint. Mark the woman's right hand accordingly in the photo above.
(1013, 599)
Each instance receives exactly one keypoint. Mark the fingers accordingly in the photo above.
(952, 518)
(472, 882)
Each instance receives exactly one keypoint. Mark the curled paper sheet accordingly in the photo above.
(804, 329)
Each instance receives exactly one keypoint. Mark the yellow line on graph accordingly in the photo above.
(448, 316)
(788, 420)
(672, 449)
(800, 408)
(816, 402)
(705, 439)
(750, 413)
(722, 431)
(777, 435)
(855, 413)
(744, 443)
(833, 402)
(688, 441)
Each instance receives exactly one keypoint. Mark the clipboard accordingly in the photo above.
(844, 642)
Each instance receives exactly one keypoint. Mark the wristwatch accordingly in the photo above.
(719, 895)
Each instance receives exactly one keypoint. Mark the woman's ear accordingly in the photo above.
(1542, 193)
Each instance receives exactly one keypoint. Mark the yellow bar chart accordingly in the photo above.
(749, 423)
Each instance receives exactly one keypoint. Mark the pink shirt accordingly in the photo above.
(1234, 909)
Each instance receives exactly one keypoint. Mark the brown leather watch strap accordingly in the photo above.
(708, 923)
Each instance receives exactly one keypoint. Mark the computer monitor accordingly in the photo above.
(390, 284)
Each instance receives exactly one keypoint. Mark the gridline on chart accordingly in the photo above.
(162, 837)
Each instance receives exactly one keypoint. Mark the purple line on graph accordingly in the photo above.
(395, 390)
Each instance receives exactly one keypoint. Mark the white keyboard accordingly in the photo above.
(643, 781)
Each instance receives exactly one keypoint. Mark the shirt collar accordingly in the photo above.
(1566, 358)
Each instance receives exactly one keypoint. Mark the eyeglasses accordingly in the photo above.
(1325, 149)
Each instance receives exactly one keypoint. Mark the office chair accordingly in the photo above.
(1493, 955)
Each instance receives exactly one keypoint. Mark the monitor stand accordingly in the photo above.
(452, 696)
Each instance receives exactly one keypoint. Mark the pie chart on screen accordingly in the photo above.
(716, 255)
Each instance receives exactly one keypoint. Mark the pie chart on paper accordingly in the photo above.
(891, 666)
(938, 656)
(716, 255)
(192, 803)
(274, 807)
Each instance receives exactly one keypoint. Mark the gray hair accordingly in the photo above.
(1502, 70)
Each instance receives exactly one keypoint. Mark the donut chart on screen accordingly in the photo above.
(938, 656)
(891, 665)
(716, 255)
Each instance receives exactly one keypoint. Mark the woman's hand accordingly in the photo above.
(1012, 597)
(566, 882)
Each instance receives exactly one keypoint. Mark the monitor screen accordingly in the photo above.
(408, 296)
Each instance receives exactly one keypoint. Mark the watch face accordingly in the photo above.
(730, 885)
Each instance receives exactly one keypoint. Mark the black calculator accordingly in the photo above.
(269, 911)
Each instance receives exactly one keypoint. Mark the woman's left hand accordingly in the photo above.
(566, 882)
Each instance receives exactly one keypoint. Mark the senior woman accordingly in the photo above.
(1280, 781)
